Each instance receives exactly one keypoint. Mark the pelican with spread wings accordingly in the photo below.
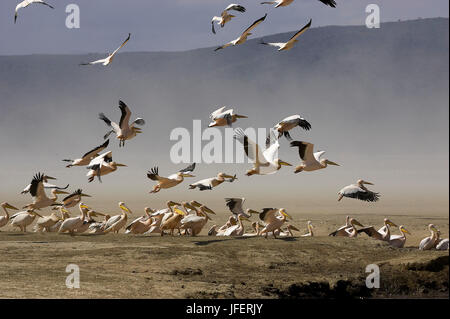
(225, 16)
(285, 46)
(224, 117)
(107, 61)
(123, 130)
(86, 158)
(37, 191)
(102, 165)
(236, 207)
(243, 37)
(26, 3)
(359, 191)
(311, 161)
(264, 163)
(170, 181)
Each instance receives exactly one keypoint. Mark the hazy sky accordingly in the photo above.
(177, 24)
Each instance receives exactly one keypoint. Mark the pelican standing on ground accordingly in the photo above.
(159, 216)
(107, 61)
(399, 240)
(142, 224)
(40, 199)
(115, 223)
(380, 235)
(359, 191)
(23, 219)
(195, 223)
(349, 229)
(310, 161)
(274, 219)
(86, 158)
(284, 126)
(64, 215)
(285, 46)
(26, 3)
(243, 37)
(173, 222)
(123, 130)
(5, 219)
(102, 165)
(172, 180)
(264, 163)
(429, 242)
(71, 224)
(226, 16)
(44, 223)
(238, 229)
(210, 183)
(223, 117)
(214, 231)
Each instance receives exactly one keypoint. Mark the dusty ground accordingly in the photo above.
(122, 266)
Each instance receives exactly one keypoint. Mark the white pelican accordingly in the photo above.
(209, 183)
(310, 227)
(226, 16)
(243, 37)
(274, 219)
(26, 3)
(223, 117)
(115, 223)
(284, 3)
(142, 224)
(45, 179)
(441, 244)
(44, 223)
(284, 126)
(123, 130)
(264, 163)
(359, 191)
(40, 199)
(64, 215)
(285, 46)
(310, 161)
(194, 223)
(86, 158)
(173, 222)
(349, 229)
(399, 240)
(73, 199)
(214, 231)
(372, 232)
(341, 230)
(429, 242)
(102, 165)
(172, 180)
(73, 223)
(235, 205)
(89, 220)
(5, 219)
(107, 61)
(23, 219)
(238, 229)
(159, 216)
(99, 227)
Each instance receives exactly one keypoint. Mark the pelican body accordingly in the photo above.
(311, 161)
(285, 46)
(223, 117)
(274, 219)
(102, 165)
(40, 199)
(116, 223)
(359, 191)
(108, 60)
(5, 219)
(210, 183)
(26, 3)
(86, 158)
(429, 243)
(284, 126)
(225, 16)
(24, 219)
(171, 181)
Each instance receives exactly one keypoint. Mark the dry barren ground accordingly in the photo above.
(121, 266)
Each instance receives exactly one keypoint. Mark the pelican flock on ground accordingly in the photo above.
(189, 218)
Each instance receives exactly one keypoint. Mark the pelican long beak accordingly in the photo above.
(391, 223)
(368, 183)
(85, 195)
(60, 192)
(49, 177)
(284, 213)
(332, 163)
(284, 163)
(244, 218)
(195, 203)
(229, 176)
(10, 207)
(121, 165)
(208, 210)
(190, 206)
(404, 230)
(357, 223)
(84, 206)
(179, 211)
(253, 212)
(34, 213)
(187, 175)
(125, 208)
(171, 203)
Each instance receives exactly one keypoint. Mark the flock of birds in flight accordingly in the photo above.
(189, 218)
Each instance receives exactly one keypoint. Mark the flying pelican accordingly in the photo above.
(123, 130)
(285, 46)
(226, 16)
(102, 165)
(284, 3)
(359, 191)
(284, 126)
(5, 219)
(26, 3)
(399, 240)
(71, 224)
(142, 224)
(372, 232)
(40, 199)
(195, 223)
(429, 242)
(107, 61)
(310, 230)
(115, 223)
(46, 185)
(310, 161)
(243, 37)
(86, 158)
(74, 199)
(274, 219)
(23, 219)
(349, 229)
(223, 117)
(264, 163)
(209, 183)
(235, 205)
(172, 180)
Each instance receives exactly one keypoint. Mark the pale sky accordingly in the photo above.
(177, 24)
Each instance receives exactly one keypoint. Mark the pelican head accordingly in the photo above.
(252, 212)
(8, 206)
(388, 222)
(280, 163)
(46, 178)
(115, 165)
(124, 208)
(433, 228)
(242, 218)
(83, 206)
(361, 182)
(179, 212)
(284, 213)
(223, 175)
(404, 230)
(185, 174)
